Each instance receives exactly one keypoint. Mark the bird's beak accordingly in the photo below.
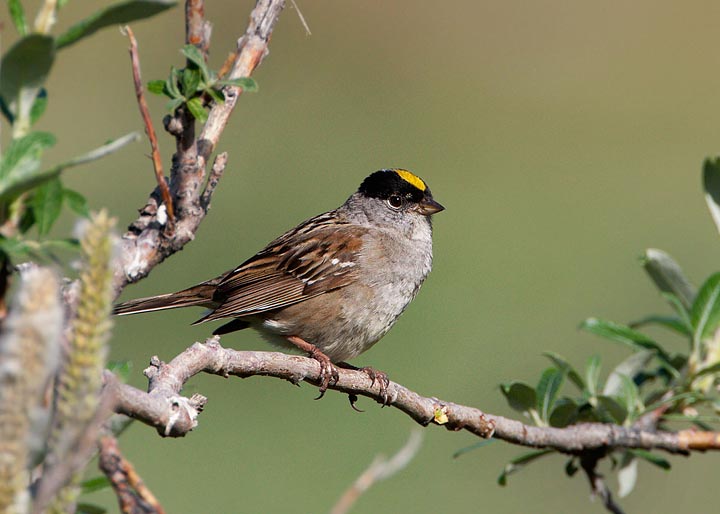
(429, 206)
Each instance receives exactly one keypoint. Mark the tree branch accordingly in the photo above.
(149, 128)
(133, 496)
(174, 415)
(597, 483)
(380, 469)
(150, 239)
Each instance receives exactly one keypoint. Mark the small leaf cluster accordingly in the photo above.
(653, 383)
(196, 85)
(32, 195)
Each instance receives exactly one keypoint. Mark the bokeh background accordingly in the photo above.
(563, 137)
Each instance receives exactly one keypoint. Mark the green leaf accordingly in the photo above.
(669, 322)
(171, 88)
(39, 106)
(95, 484)
(190, 82)
(24, 70)
(668, 276)
(76, 202)
(651, 458)
(123, 369)
(247, 84)
(117, 14)
(14, 248)
(682, 312)
(19, 166)
(17, 14)
(174, 104)
(710, 370)
(705, 311)
(547, 391)
(195, 56)
(592, 375)
(23, 155)
(565, 366)
(630, 396)
(89, 508)
(628, 368)
(518, 463)
(693, 397)
(691, 419)
(622, 334)
(47, 204)
(21, 162)
(565, 413)
(711, 184)
(627, 474)
(195, 106)
(608, 405)
(466, 449)
(22, 249)
(69, 244)
(216, 95)
(520, 396)
(156, 87)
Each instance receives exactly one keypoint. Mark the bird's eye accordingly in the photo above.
(395, 201)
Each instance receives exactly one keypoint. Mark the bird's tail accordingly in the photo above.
(201, 295)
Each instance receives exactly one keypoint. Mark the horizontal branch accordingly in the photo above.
(174, 415)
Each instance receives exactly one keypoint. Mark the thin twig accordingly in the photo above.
(102, 151)
(149, 128)
(302, 18)
(380, 469)
(133, 496)
(597, 484)
(216, 174)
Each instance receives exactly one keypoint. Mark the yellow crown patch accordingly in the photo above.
(412, 179)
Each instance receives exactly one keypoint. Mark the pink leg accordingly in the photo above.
(328, 371)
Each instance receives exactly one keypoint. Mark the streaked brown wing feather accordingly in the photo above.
(299, 265)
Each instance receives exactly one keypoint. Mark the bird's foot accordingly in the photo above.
(328, 371)
(375, 376)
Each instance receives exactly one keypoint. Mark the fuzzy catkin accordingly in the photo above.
(79, 382)
(29, 350)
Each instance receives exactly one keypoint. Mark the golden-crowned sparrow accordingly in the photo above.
(333, 285)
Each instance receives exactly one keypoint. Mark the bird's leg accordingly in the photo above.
(375, 376)
(328, 371)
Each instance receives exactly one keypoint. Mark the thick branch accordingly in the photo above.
(174, 415)
(197, 30)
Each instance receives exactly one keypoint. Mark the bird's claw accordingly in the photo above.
(382, 379)
(328, 372)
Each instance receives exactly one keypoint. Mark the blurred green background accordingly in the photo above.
(563, 137)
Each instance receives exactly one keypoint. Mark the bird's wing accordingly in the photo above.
(316, 257)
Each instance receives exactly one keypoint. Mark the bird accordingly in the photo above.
(332, 286)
